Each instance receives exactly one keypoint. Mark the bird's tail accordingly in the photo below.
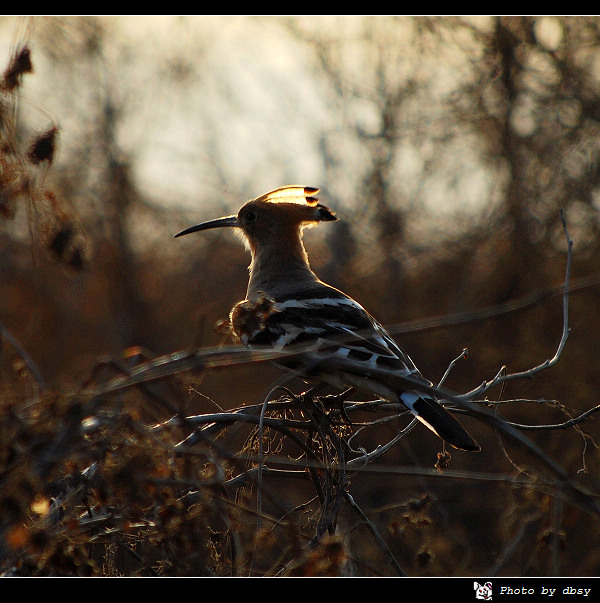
(432, 414)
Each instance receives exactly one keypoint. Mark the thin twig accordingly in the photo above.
(500, 378)
(462, 355)
(384, 547)
(31, 365)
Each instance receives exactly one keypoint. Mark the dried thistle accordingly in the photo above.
(65, 240)
(20, 64)
(60, 239)
(43, 147)
(66, 245)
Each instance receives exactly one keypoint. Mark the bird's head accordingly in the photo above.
(275, 215)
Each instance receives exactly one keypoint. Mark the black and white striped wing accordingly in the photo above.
(342, 328)
(339, 326)
(326, 315)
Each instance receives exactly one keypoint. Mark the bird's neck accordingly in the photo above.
(279, 268)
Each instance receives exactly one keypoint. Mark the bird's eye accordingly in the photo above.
(250, 216)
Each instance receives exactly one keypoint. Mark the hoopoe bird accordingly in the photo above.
(287, 304)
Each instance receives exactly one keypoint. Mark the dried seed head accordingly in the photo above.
(443, 460)
(65, 240)
(60, 239)
(67, 245)
(43, 147)
(20, 64)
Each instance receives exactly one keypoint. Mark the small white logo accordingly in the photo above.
(483, 591)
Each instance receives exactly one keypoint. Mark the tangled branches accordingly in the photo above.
(92, 486)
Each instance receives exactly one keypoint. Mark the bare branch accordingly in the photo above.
(503, 378)
(31, 366)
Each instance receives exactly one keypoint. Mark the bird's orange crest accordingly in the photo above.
(293, 193)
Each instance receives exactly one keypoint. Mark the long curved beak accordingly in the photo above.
(218, 223)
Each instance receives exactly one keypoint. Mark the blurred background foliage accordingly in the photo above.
(446, 145)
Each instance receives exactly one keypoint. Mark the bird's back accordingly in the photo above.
(322, 314)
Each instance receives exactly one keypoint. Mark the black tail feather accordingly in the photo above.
(440, 421)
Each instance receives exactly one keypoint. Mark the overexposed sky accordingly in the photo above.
(247, 112)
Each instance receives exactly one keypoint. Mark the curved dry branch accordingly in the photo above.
(502, 377)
